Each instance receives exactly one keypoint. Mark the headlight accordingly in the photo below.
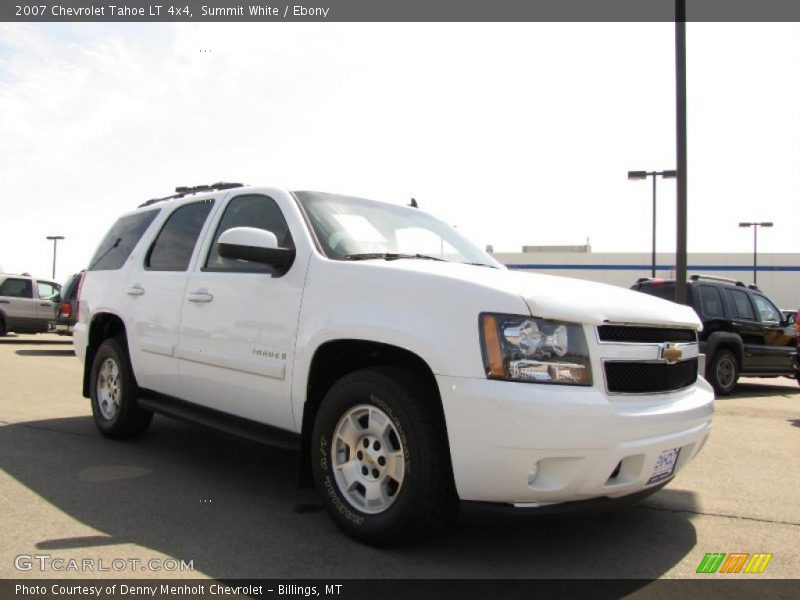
(518, 348)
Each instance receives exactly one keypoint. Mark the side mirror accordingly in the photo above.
(257, 245)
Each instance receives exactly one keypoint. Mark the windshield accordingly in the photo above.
(352, 228)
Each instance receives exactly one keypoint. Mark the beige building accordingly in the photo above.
(778, 274)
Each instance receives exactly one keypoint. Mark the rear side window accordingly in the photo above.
(253, 210)
(120, 241)
(17, 288)
(742, 309)
(47, 291)
(766, 310)
(175, 243)
(710, 301)
(70, 290)
(660, 290)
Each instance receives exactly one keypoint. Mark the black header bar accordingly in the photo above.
(199, 11)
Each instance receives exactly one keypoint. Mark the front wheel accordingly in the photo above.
(381, 460)
(723, 372)
(113, 393)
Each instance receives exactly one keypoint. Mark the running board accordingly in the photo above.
(182, 410)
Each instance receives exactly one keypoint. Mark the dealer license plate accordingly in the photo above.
(665, 465)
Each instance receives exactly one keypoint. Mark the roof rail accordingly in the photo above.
(715, 278)
(753, 286)
(182, 191)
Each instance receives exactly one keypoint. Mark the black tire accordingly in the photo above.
(723, 372)
(125, 419)
(426, 501)
(3, 330)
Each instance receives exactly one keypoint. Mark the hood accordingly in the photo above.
(564, 298)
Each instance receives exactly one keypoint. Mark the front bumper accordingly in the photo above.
(532, 445)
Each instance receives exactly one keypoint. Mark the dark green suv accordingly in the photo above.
(743, 331)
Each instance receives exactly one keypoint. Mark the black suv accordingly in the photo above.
(743, 332)
(67, 312)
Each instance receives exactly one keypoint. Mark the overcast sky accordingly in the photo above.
(515, 133)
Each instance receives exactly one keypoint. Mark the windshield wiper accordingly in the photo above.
(390, 256)
(480, 264)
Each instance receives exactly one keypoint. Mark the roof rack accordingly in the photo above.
(182, 191)
(753, 286)
(715, 278)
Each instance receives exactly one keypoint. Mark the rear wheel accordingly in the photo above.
(723, 372)
(381, 460)
(2, 327)
(113, 393)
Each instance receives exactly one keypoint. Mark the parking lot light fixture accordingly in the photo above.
(55, 239)
(636, 175)
(755, 227)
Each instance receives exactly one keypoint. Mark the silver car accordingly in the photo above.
(27, 304)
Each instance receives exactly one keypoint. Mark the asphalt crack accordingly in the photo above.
(710, 514)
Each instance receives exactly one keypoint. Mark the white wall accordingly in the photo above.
(623, 269)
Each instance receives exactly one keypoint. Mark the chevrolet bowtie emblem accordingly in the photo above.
(671, 353)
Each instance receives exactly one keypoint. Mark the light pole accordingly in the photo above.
(644, 175)
(55, 239)
(755, 227)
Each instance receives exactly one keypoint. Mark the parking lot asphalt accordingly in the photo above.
(234, 509)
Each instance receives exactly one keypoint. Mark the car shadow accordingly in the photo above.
(761, 390)
(45, 352)
(234, 508)
(31, 341)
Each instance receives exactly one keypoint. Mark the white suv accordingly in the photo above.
(407, 366)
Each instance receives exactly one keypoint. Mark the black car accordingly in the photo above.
(743, 331)
(67, 311)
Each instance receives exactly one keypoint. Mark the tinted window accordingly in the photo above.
(766, 310)
(70, 289)
(120, 241)
(660, 290)
(249, 211)
(175, 243)
(710, 301)
(17, 288)
(742, 309)
(47, 291)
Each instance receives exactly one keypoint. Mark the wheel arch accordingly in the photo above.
(104, 325)
(723, 340)
(333, 360)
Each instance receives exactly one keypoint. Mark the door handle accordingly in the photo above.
(200, 297)
(135, 291)
(46, 304)
(5, 301)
